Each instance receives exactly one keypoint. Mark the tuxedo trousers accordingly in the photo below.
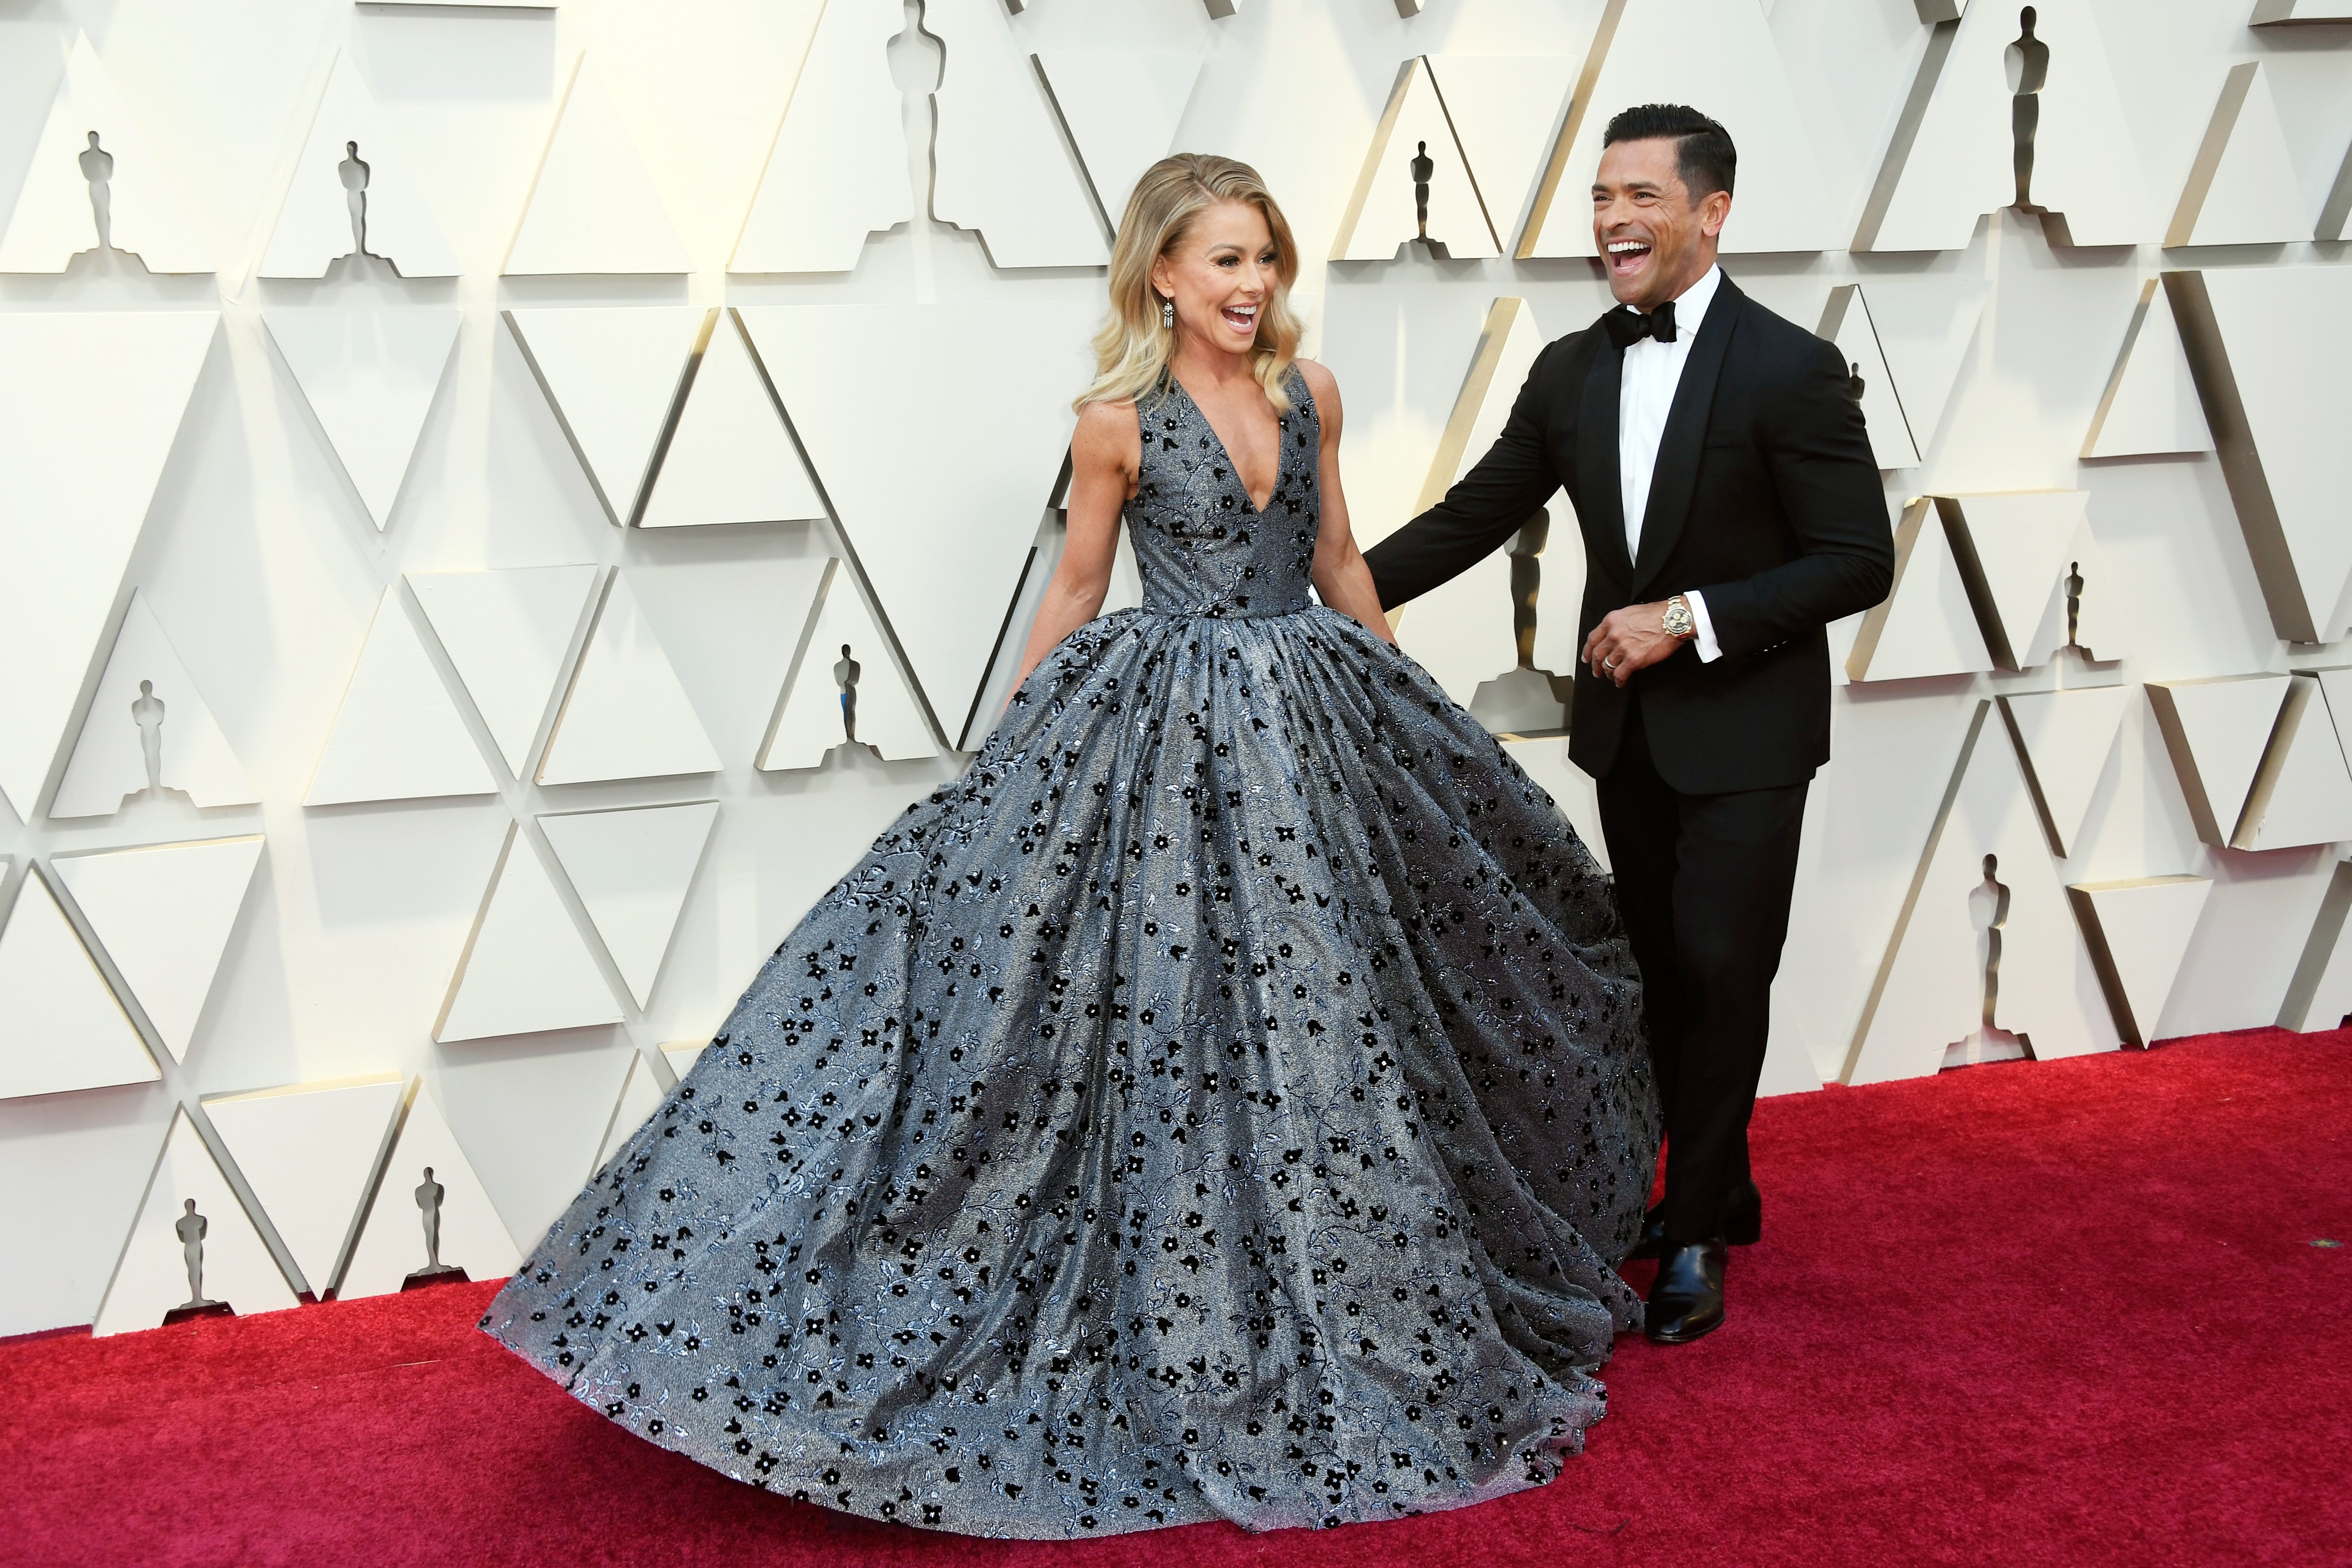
(1704, 884)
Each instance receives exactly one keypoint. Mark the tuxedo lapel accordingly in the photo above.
(1676, 474)
(1599, 487)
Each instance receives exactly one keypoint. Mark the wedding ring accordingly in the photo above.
(1607, 663)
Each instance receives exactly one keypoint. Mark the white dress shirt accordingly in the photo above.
(1645, 394)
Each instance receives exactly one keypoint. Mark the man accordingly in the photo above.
(1731, 509)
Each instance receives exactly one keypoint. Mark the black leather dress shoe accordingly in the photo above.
(1743, 1222)
(1686, 1299)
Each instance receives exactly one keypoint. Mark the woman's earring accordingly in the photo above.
(1167, 313)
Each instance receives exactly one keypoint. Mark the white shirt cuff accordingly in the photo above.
(1709, 650)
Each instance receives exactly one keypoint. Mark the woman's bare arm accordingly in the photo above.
(1341, 578)
(1106, 455)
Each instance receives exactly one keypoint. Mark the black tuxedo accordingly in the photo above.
(1764, 500)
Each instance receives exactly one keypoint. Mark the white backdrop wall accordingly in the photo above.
(922, 453)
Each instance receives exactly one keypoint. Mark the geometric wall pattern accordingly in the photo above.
(594, 205)
(93, 154)
(1951, 157)
(524, 967)
(390, 1243)
(71, 506)
(65, 1029)
(146, 701)
(2277, 412)
(370, 376)
(397, 735)
(626, 716)
(164, 913)
(1986, 938)
(192, 1241)
(354, 189)
(794, 307)
(312, 1152)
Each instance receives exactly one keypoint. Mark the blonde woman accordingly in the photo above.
(1226, 1102)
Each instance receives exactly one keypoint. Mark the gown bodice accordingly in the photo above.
(1200, 545)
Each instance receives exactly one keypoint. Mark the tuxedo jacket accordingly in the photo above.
(1765, 499)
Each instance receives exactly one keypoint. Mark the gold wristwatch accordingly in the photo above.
(1678, 620)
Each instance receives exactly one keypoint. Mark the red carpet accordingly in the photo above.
(2069, 1312)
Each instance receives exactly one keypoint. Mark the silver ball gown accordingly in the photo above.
(1227, 1101)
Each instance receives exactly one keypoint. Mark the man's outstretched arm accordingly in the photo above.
(1483, 508)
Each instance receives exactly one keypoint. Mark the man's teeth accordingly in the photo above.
(1623, 246)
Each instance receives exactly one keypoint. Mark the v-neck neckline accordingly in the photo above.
(1281, 451)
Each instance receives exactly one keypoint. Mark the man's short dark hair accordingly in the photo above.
(1703, 154)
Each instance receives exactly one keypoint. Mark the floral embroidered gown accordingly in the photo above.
(1227, 1100)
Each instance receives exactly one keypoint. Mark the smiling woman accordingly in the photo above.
(1169, 203)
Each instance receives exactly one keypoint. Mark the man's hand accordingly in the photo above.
(1628, 640)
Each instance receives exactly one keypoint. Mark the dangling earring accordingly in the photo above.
(1167, 313)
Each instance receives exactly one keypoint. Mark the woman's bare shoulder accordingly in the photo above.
(1322, 386)
(1108, 428)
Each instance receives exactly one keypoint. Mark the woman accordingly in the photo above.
(1227, 1100)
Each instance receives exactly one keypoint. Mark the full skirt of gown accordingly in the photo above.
(1227, 1100)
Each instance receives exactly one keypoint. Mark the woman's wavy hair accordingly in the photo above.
(1132, 349)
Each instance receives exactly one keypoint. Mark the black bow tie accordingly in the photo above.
(1628, 327)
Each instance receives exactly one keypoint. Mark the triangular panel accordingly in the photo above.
(2066, 738)
(1382, 213)
(2011, 547)
(2138, 931)
(354, 190)
(632, 868)
(525, 968)
(2215, 732)
(594, 207)
(1503, 108)
(506, 632)
(626, 716)
(55, 217)
(1717, 53)
(837, 169)
(2150, 404)
(1121, 112)
(2303, 793)
(1951, 159)
(163, 914)
(999, 164)
(392, 1243)
(1846, 321)
(2320, 994)
(816, 710)
(730, 459)
(146, 692)
(1941, 967)
(370, 376)
(2242, 188)
(2278, 407)
(1925, 325)
(2086, 609)
(611, 374)
(311, 1152)
(682, 1055)
(88, 407)
(60, 1027)
(1924, 625)
(944, 540)
(232, 1262)
(397, 735)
